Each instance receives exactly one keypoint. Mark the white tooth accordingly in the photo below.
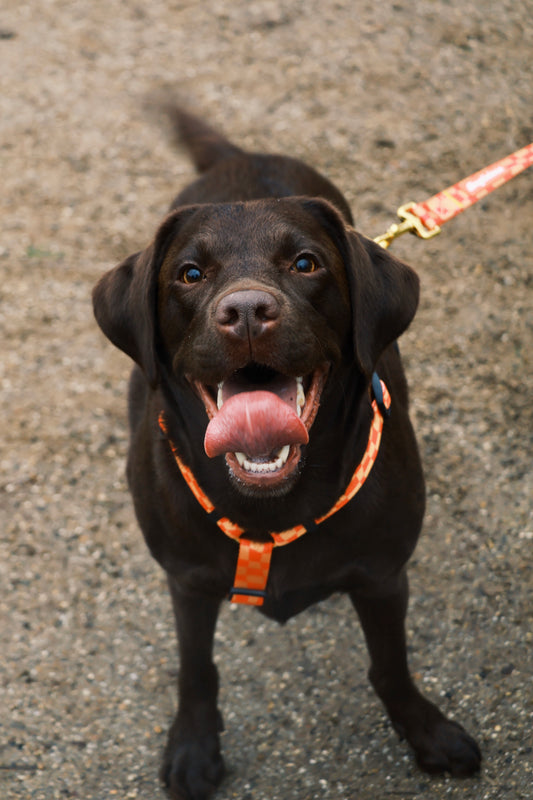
(220, 401)
(283, 455)
(264, 466)
(300, 396)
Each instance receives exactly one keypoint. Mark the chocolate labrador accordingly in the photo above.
(272, 460)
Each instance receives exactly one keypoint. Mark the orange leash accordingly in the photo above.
(253, 561)
(424, 219)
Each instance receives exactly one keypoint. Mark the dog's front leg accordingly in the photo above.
(439, 743)
(192, 764)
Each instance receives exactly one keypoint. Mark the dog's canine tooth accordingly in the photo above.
(283, 455)
(300, 396)
(241, 458)
(220, 401)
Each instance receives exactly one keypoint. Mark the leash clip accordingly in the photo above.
(410, 224)
(418, 226)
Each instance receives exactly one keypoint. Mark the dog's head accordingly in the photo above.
(251, 306)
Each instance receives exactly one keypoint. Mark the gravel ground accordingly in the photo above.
(393, 101)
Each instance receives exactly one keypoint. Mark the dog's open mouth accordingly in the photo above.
(259, 419)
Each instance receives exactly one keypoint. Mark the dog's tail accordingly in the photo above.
(206, 146)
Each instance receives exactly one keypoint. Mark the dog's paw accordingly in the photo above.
(192, 767)
(442, 745)
(447, 747)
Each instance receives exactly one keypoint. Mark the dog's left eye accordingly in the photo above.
(304, 264)
(190, 273)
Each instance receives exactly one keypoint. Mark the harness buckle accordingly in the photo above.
(377, 391)
(237, 590)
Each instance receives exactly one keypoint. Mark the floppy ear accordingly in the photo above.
(384, 293)
(383, 290)
(125, 299)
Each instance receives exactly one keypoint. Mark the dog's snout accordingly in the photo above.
(247, 313)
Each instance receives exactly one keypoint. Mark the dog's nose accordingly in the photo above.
(247, 314)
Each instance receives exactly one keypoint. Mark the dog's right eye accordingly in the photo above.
(190, 273)
(304, 264)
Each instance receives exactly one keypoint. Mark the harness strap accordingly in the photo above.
(253, 561)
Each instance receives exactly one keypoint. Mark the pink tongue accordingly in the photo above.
(254, 423)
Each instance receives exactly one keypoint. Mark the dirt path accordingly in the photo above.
(394, 101)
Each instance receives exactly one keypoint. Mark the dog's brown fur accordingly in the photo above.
(243, 226)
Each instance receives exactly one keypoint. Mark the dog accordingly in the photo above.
(271, 459)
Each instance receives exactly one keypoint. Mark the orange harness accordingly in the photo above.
(253, 562)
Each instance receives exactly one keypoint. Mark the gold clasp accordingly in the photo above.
(410, 224)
